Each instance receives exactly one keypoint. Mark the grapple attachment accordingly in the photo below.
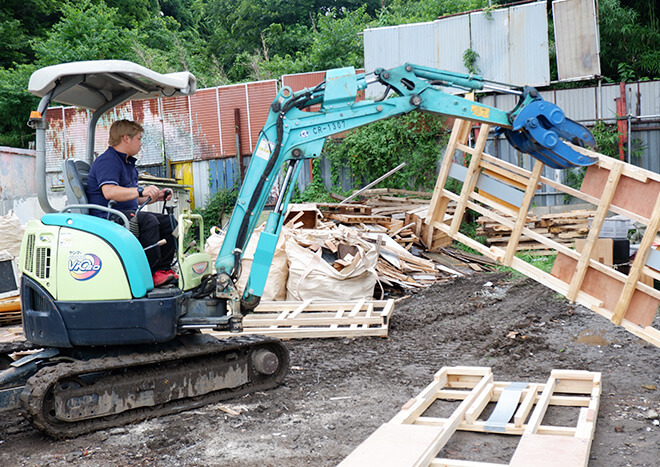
(540, 129)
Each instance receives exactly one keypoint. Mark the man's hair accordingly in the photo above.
(121, 128)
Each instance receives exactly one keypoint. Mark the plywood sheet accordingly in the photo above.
(550, 451)
(632, 195)
(642, 307)
(394, 445)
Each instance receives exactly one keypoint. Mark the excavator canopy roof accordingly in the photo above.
(92, 84)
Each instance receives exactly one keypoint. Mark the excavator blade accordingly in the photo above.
(540, 130)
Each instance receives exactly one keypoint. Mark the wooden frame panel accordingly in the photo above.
(611, 185)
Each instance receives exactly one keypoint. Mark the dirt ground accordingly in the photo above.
(339, 391)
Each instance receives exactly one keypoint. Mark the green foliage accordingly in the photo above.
(220, 205)
(15, 105)
(333, 42)
(607, 138)
(543, 262)
(316, 191)
(87, 31)
(630, 40)
(470, 58)
(412, 11)
(373, 150)
(223, 41)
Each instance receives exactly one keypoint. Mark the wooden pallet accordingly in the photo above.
(610, 185)
(413, 439)
(317, 319)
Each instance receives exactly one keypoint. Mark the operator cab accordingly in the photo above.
(86, 280)
(98, 86)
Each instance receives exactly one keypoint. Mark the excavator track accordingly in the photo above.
(70, 399)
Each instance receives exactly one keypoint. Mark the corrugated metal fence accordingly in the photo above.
(199, 135)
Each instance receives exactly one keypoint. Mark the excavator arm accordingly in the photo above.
(293, 133)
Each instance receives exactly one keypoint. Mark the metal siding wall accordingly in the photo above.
(75, 142)
(200, 173)
(260, 96)
(576, 39)
(55, 139)
(206, 132)
(147, 113)
(103, 132)
(176, 128)
(512, 44)
(381, 48)
(183, 173)
(528, 52)
(453, 41)
(230, 98)
(221, 173)
(649, 106)
(300, 81)
(414, 40)
(490, 40)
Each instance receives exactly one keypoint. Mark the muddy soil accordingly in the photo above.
(339, 391)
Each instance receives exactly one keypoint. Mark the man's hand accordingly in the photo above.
(150, 191)
(165, 194)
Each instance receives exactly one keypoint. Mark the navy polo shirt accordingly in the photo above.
(114, 168)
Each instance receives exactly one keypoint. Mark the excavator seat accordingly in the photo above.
(75, 183)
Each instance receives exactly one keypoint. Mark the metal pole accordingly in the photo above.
(380, 179)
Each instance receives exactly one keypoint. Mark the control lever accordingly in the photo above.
(133, 225)
(190, 245)
(160, 242)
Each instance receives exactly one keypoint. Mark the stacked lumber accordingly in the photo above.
(397, 213)
(563, 228)
(10, 311)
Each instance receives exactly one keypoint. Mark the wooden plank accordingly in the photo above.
(438, 203)
(635, 273)
(550, 451)
(471, 179)
(394, 445)
(645, 185)
(522, 213)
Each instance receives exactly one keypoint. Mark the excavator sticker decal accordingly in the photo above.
(481, 112)
(83, 266)
(264, 149)
(200, 268)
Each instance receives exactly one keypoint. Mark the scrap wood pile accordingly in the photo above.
(391, 223)
(564, 228)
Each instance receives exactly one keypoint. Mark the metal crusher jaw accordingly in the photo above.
(540, 130)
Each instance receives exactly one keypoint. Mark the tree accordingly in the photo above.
(629, 48)
(22, 21)
(87, 31)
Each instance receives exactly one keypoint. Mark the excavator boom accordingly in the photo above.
(293, 132)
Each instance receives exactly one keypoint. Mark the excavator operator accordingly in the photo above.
(114, 177)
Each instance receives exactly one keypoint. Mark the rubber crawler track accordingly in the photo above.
(38, 389)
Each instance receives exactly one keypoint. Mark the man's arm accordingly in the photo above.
(120, 193)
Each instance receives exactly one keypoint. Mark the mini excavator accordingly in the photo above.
(102, 346)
